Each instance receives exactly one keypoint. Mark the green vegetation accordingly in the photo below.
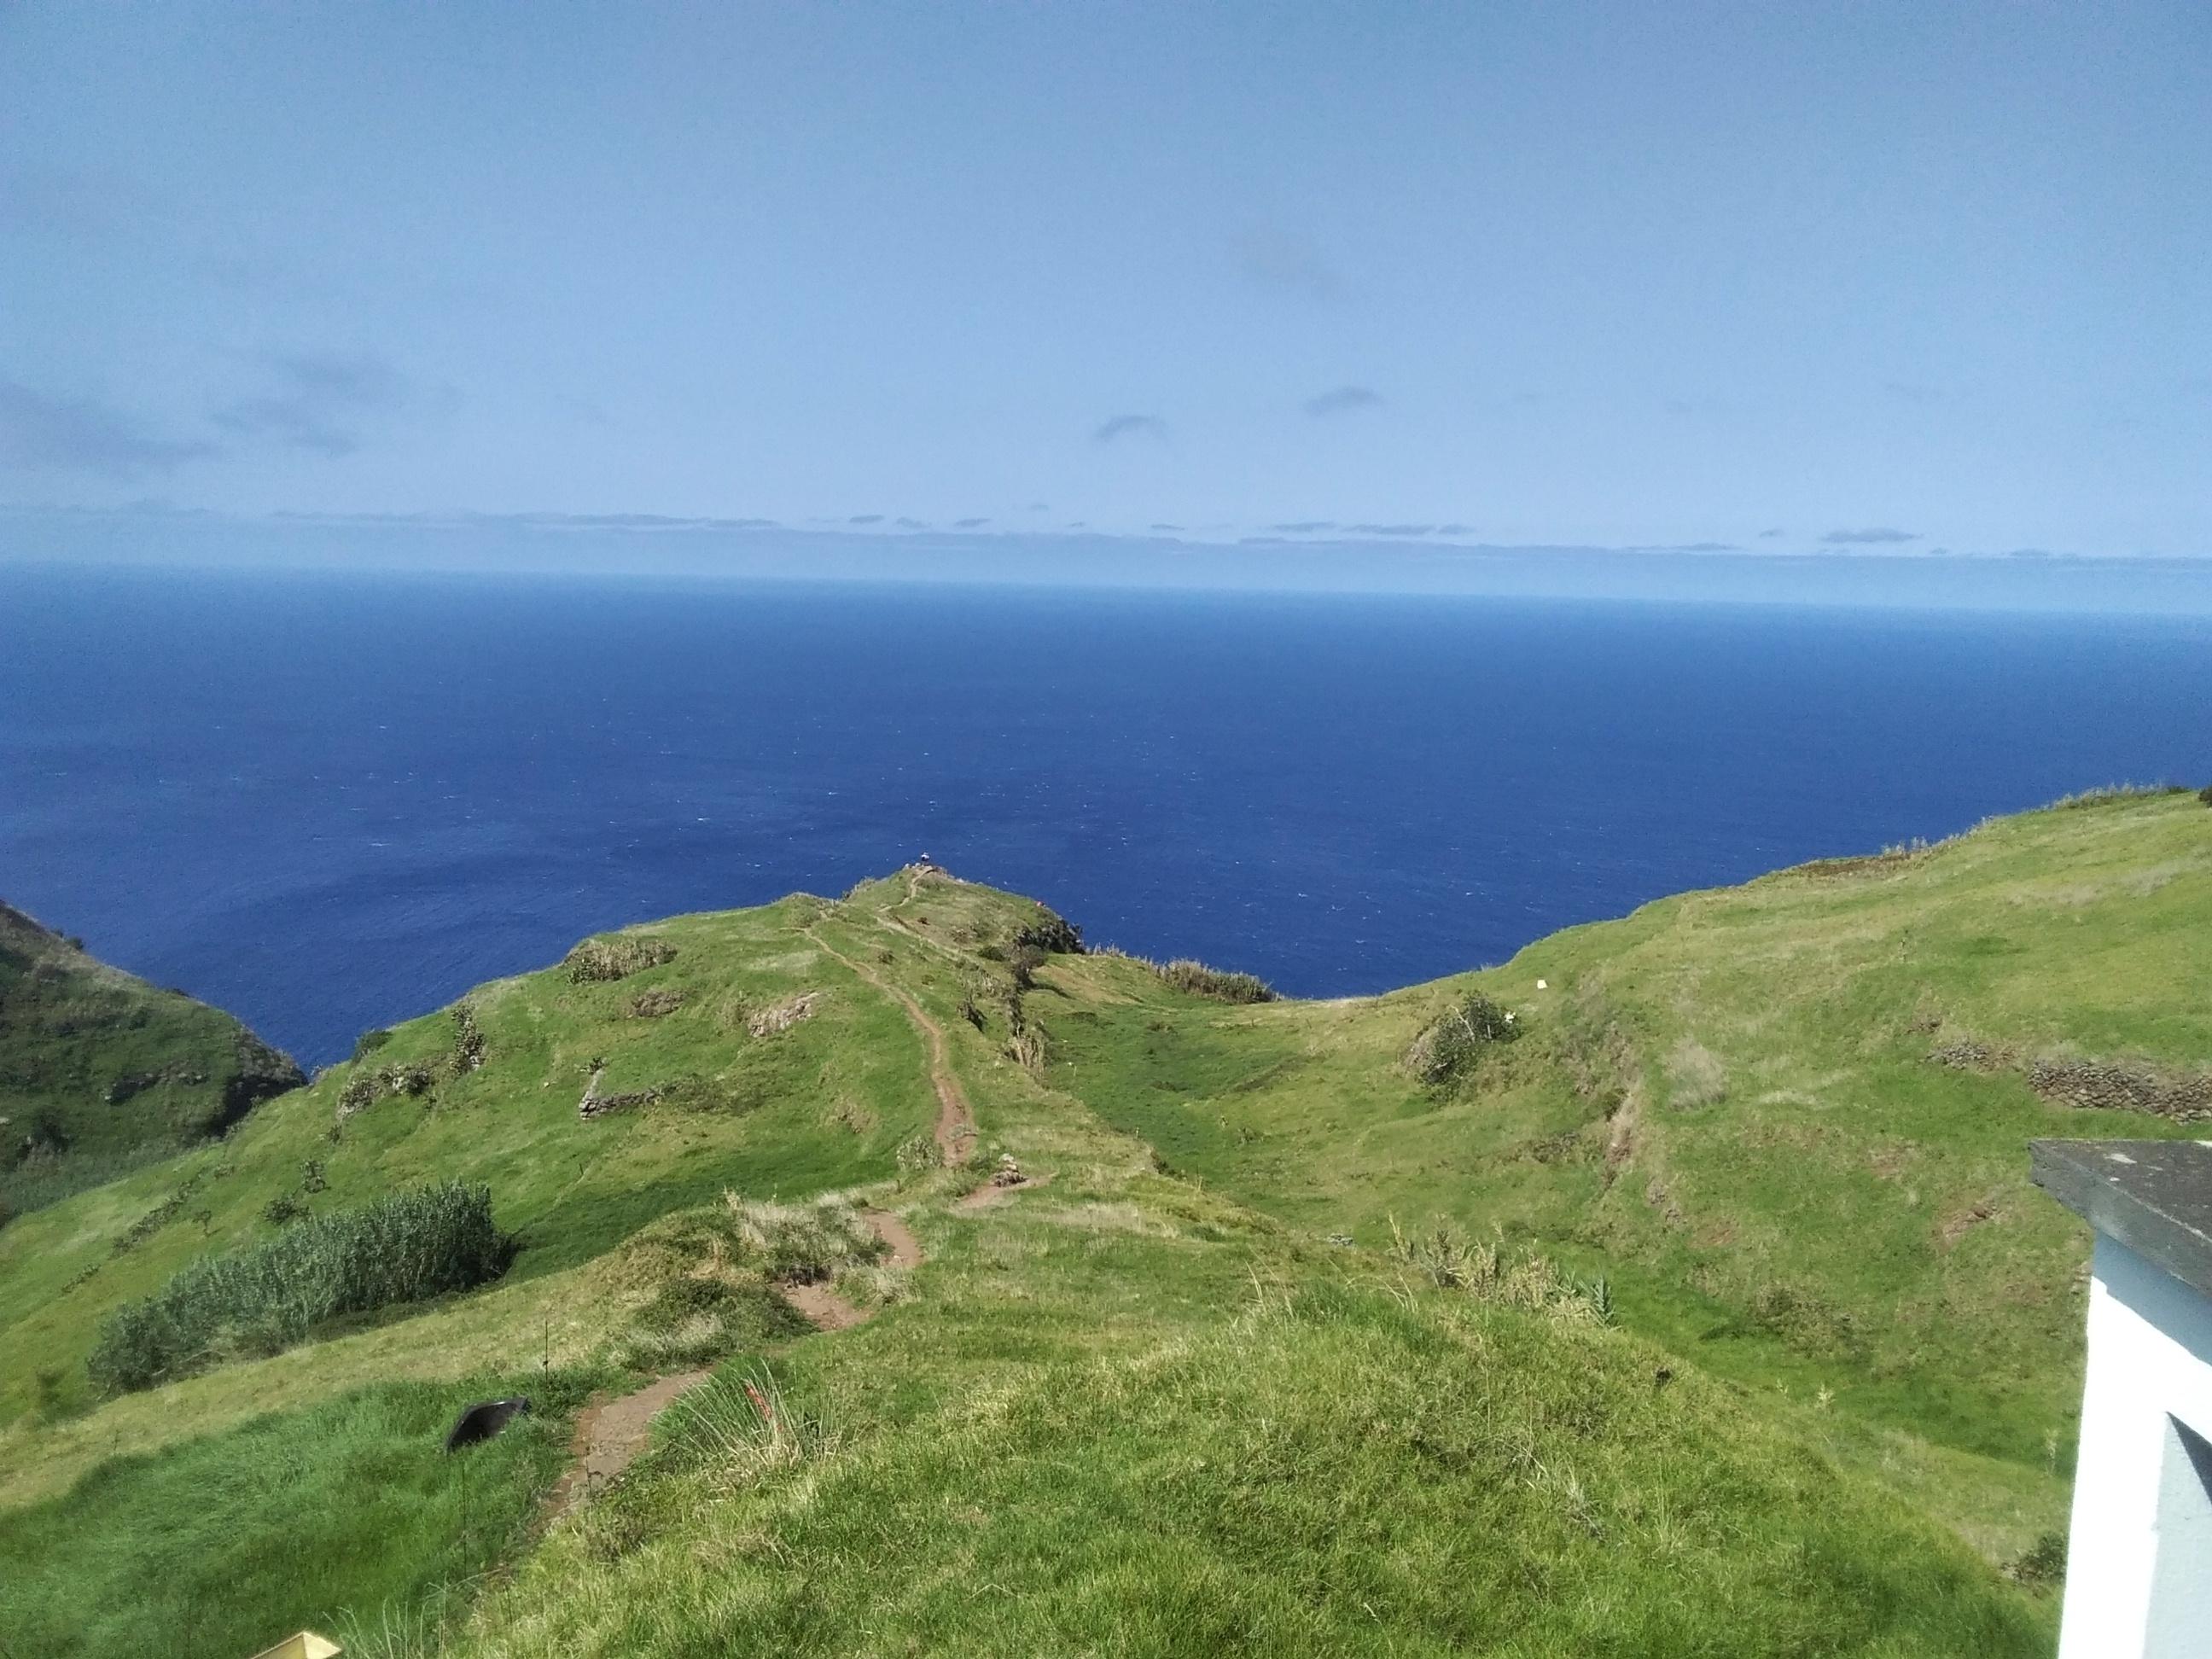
(1787, 1121)
(1446, 1051)
(721, 1269)
(101, 1073)
(1701, 1306)
(409, 1246)
(1324, 1471)
(222, 1544)
(618, 957)
(1196, 979)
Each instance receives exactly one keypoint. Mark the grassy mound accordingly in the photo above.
(1333, 1473)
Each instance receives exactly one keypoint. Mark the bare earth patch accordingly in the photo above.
(610, 1434)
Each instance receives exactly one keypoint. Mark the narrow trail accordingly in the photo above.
(826, 1310)
(611, 1433)
(890, 918)
(956, 1123)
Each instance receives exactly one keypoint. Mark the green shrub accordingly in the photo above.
(2044, 1562)
(2205, 794)
(284, 1209)
(369, 1041)
(421, 1243)
(1449, 1045)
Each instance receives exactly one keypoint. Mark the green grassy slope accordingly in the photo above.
(129, 1562)
(820, 1104)
(1790, 1120)
(100, 1072)
(1181, 1396)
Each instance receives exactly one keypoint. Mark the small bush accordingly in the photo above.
(409, 1080)
(917, 1155)
(1023, 961)
(284, 1209)
(1026, 1049)
(616, 957)
(369, 1041)
(1449, 1045)
(2205, 794)
(468, 1054)
(421, 1243)
(358, 1095)
(2044, 1562)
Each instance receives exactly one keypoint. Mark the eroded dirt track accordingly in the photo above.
(956, 1123)
(611, 1433)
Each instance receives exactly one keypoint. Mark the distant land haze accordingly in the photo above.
(1874, 566)
(326, 801)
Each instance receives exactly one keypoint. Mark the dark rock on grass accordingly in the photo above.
(484, 1419)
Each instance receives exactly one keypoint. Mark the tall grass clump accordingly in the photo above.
(1695, 1075)
(1200, 981)
(2115, 792)
(1444, 1256)
(424, 1242)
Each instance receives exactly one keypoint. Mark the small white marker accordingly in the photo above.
(1541, 985)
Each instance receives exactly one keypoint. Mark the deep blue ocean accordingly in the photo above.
(326, 802)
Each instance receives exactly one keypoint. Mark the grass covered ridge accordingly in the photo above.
(1707, 1311)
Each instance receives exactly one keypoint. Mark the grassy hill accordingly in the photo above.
(100, 1072)
(1710, 1313)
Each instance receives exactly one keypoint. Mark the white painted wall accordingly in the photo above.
(2150, 1365)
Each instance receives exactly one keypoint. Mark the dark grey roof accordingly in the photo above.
(2153, 1196)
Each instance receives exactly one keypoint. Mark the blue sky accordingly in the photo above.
(1862, 277)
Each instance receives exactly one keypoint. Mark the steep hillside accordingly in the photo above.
(99, 1070)
(1701, 1306)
